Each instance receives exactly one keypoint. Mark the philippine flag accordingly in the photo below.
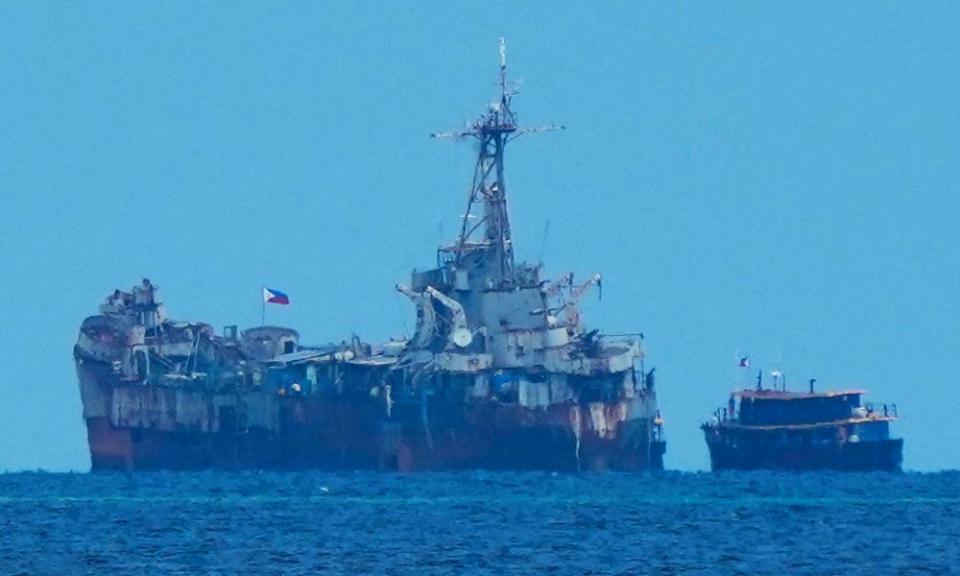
(275, 296)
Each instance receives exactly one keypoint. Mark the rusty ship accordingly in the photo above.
(774, 428)
(499, 373)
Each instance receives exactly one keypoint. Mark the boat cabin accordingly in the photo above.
(774, 407)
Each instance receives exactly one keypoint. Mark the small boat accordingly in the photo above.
(780, 429)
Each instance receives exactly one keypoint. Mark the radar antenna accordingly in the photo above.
(492, 131)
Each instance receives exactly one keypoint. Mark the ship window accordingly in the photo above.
(288, 347)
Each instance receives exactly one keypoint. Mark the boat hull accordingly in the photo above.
(754, 454)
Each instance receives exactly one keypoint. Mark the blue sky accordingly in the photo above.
(775, 178)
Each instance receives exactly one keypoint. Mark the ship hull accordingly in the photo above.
(854, 456)
(138, 427)
(526, 447)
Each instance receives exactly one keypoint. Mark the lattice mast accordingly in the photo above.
(492, 131)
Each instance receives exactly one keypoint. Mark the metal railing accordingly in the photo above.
(875, 409)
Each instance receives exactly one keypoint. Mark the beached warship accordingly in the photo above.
(500, 372)
(778, 429)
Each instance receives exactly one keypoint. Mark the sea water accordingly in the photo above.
(480, 523)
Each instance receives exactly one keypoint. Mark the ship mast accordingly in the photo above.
(492, 131)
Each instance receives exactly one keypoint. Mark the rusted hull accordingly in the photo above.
(755, 454)
(344, 434)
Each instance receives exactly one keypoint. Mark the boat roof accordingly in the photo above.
(782, 395)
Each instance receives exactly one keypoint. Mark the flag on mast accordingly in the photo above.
(745, 362)
(271, 296)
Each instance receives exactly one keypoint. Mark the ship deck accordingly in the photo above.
(806, 426)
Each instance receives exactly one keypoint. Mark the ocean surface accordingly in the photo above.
(480, 523)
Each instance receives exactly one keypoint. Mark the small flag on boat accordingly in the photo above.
(272, 296)
(745, 362)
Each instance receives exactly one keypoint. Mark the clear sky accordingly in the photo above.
(781, 179)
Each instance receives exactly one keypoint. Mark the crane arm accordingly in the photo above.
(409, 292)
(426, 316)
(572, 307)
(579, 291)
(460, 335)
(562, 282)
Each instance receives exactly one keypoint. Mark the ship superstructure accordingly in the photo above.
(500, 371)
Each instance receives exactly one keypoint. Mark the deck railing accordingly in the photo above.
(881, 409)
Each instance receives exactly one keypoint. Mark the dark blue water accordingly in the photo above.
(480, 523)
